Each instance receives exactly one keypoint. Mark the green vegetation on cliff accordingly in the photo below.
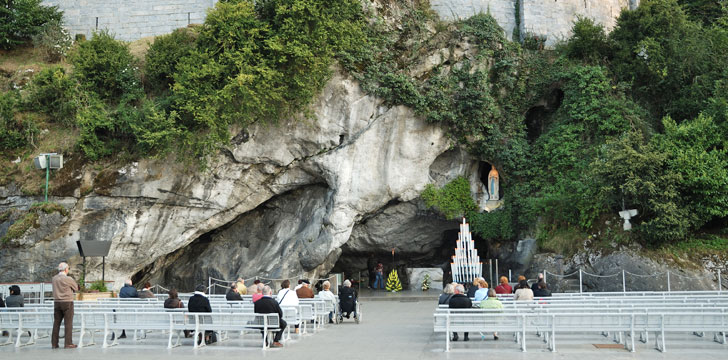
(637, 118)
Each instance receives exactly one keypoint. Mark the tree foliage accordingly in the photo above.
(21, 19)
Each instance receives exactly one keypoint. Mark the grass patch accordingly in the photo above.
(19, 228)
(30, 219)
(566, 242)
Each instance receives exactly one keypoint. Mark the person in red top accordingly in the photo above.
(504, 287)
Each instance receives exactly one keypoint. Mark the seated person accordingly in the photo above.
(200, 303)
(347, 299)
(268, 305)
(542, 290)
(326, 294)
(523, 291)
(482, 292)
(534, 286)
(446, 294)
(174, 302)
(304, 292)
(15, 299)
(504, 287)
(473, 287)
(518, 283)
(257, 291)
(232, 294)
(242, 289)
(491, 302)
(147, 293)
(286, 296)
(460, 301)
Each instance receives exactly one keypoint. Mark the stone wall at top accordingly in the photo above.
(554, 18)
(134, 19)
(550, 18)
(504, 11)
(131, 19)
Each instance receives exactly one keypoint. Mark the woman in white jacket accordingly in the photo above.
(326, 294)
(286, 296)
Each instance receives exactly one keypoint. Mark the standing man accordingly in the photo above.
(63, 289)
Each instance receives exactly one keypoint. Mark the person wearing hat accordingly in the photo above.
(200, 303)
(305, 292)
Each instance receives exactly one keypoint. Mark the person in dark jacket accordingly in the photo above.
(233, 294)
(267, 305)
(347, 299)
(541, 290)
(473, 287)
(534, 286)
(15, 299)
(446, 295)
(2, 303)
(128, 291)
(460, 301)
(200, 303)
(173, 302)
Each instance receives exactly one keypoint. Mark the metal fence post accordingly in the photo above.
(580, 289)
(720, 282)
(668, 281)
(544, 276)
(496, 273)
(624, 283)
(510, 278)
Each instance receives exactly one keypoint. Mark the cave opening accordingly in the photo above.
(358, 265)
(538, 116)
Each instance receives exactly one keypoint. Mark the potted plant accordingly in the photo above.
(96, 290)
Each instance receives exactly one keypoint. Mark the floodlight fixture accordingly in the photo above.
(48, 161)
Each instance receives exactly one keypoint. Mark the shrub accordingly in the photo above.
(163, 56)
(452, 200)
(259, 62)
(588, 42)
(99, 286)
(53, 41)
(97, 130)
(16, 130)
(21, 19)
(55, 93)
(151, 129)
(105, 66)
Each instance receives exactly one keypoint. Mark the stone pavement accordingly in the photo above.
(394, 329)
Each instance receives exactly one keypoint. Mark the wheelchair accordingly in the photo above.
(354, 311)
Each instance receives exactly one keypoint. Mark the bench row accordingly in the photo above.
(549, 324)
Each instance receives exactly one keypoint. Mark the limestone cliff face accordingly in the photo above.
(281, 201)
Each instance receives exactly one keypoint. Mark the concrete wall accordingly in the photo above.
(504, 11)
(131, 19)
(555, 18)
(134, 19)
(552, 18)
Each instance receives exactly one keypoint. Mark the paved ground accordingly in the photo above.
(395, 329)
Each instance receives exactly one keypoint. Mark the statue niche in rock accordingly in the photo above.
(493, 184)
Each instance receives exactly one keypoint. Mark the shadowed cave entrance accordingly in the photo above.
(357, 264)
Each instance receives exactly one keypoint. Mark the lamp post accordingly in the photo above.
(48, 161)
